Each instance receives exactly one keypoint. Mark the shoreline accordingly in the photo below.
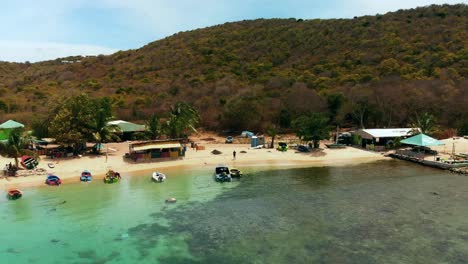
(69, 170)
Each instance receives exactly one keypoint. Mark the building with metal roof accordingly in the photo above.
(382, 137)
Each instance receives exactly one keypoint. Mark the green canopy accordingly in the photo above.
(10, 124)
(6, 128)
(422, 141)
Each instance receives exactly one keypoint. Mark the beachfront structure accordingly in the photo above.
(7, 127)
(127, 129)
(157, 149)
(382, 137)
(422, 140)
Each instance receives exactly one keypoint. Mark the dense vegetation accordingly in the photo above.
(382, 70)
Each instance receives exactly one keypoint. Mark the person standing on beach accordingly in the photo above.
(234, 154)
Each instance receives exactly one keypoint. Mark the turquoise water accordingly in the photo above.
(384, 212)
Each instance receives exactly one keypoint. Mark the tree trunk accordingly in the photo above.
(316, 143)
(16, 162)
(273, 141)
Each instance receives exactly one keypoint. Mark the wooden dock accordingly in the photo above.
(452, 166)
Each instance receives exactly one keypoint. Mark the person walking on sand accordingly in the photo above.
(234, 154)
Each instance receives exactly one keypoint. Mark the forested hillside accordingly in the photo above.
(251, 74)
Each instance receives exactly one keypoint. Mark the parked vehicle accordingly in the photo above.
(282, 146)
(302, 148)
(229, 140)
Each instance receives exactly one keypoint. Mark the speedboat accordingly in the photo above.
(235, 173)
(86, 176)
(14, 194)
(112, 177)
(222, 174)
(158, 176)
(53, 180)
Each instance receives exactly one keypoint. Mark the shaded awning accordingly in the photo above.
(10, 124)
(422, 141)
(157, 146)
(50, 146)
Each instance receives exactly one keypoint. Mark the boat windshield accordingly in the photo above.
(221, 170)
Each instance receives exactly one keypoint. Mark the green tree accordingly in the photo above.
(153, 126)
(463, 129)
(16, 145)
(73, 121)
(425, 123)
(242, 113)
(40, 128)
(335, 103)
(272, 131)
(100, 129)
(183, 119)
(312, 127)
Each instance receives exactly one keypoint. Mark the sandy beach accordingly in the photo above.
(70, 169)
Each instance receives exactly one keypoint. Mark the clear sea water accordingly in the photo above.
(384, 212)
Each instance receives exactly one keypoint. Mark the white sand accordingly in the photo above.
(460, 144)
(69, 170)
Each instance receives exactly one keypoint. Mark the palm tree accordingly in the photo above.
(272, 131)
(153, 126)
(16, 145)
(425, 123)
(102, 131)
(182, 118)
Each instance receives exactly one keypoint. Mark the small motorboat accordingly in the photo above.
(112, 177)
(53, 180)
(222, 174)
(335, 146)
(86, 176)
(28, 162)
(235, 173)
(171, 200)
(158, 176)
(14, 194)
(51, 165)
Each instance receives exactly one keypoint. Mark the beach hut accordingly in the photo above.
(7, 127)
(382, 137)
(127, 129)
(155, 149)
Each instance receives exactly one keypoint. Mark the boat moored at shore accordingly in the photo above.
(112, 177)
(235, 173)
(86, 176)
(222, 174)
(53, 180)
(14, 194)
(158, 176)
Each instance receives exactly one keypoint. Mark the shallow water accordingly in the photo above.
(384, 212)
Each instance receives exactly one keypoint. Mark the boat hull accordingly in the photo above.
(53, 180)
(86, 178)
(158, 177)
(14, 195)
